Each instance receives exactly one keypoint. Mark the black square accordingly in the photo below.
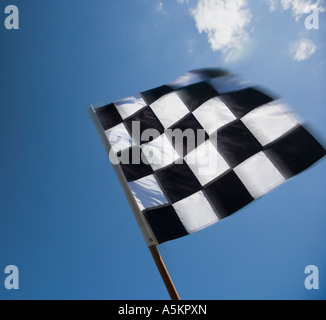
(152, 95)
(144, 119)
(236, 143)
(108, 116)
(295, 152)
(243, 101)
(196, 94)
(165, 223)
(178, 182)
(134, 164)
(228, 194)
(190, 131)
(211, 72)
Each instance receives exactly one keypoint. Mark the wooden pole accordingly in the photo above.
(164, 273)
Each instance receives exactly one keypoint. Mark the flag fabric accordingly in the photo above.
(198, 149)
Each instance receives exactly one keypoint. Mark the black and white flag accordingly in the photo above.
(196, 150)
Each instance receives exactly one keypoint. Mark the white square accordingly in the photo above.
(206, 162)
(259, 175)
(213, 114)
(147, 192)
(195, 212)
(130, 105)
(159, 152)
(269, 121)
(228, 83)
(169, 109)
(119, 138)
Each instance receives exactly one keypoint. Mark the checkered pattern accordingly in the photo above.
(250, 144)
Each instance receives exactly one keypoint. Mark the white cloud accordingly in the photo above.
(225, 22)
(302, 49)
(298, 7)
(160, 8)
(301, 7)
(272, 4)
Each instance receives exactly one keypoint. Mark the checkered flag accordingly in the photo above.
(196, 150)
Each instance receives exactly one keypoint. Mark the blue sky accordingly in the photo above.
(64, 220)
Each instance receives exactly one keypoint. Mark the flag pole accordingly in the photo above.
(164, 273)
(146, 231)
